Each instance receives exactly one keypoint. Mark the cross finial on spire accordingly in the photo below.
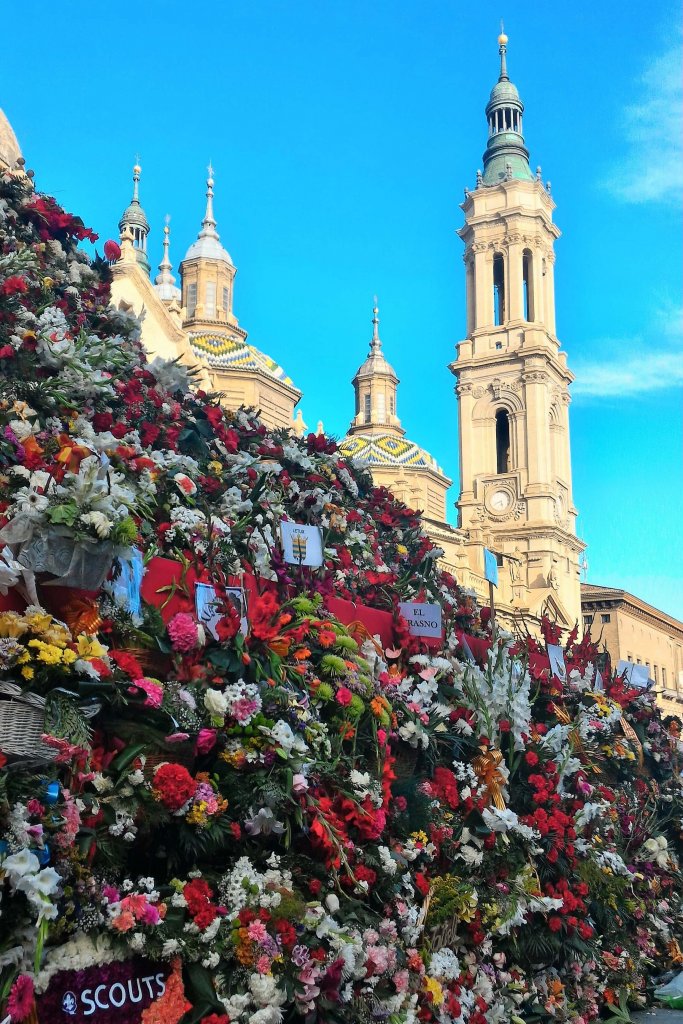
(502, 50)
(375, 344)
(209, 222)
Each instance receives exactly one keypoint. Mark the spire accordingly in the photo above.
(506, 157)
(164, 282)
(134, 218)
(375, 344)
(208, 240)
(503, 49)
(209, 222)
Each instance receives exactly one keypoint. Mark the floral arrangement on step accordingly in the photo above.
(287, 817)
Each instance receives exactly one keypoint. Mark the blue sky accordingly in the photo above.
(342, 136)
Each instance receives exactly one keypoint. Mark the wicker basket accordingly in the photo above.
(406, 761)
(184, 756)
(22, 724)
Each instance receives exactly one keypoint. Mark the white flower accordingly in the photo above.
(99, 522)
(216, 703)
(17, 865)
(332, 903)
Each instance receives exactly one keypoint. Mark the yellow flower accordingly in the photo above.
(401, 549)
(39, 621)
(12, 624)
(89, 647)
(434, 988)
(215, 467)
(27, 672)
(69, 656)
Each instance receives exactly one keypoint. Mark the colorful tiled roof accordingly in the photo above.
(225, 353)
(386, 450)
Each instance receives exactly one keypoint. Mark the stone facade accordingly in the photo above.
(634, 631)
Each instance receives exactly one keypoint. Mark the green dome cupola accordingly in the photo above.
(505, 156)
(134, 220)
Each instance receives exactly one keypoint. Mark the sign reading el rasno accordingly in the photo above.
(422, 619)
(115, 993)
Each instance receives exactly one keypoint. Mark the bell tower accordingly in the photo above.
(512, 378)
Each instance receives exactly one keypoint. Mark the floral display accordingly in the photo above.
(225, 796)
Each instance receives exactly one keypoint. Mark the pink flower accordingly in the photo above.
(344, 696)
(154, 692)
(110, 894)
(206, 741)
(263, 965)
(257, 931)
(400, 980)
(381, 737)
(182, 629)
(244, 708)
(20, 1002)
(299, 784)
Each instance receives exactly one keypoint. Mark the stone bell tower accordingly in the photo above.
(513, 380)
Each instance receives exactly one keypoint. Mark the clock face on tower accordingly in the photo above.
(498, 501)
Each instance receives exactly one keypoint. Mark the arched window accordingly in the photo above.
(502, 441)
(498, 289)
(528, 284)
(366, 409)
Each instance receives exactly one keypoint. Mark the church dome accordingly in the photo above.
(208, 247)
(387, 450)
(504, 92)
(222, 352)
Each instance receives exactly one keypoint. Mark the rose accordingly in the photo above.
(216, 703)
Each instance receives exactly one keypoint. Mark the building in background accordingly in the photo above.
(196, 322)
(635, 631)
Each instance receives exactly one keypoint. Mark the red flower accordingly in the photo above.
(174, 784)
(531, 758)
(12, 285)
(198, 895)
(112, 250)
(216, 1018)
(554, 923)
(20, 1003)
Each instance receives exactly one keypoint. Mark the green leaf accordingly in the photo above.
(65, 514)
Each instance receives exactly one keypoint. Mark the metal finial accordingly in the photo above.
(209, 222)
(375, 344)
(502, 50)
(136, 180)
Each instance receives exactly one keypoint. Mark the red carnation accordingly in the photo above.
(174, 785)
(112, 250)
(216, 1018)
(13, 284)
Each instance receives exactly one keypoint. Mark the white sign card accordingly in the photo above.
(635, 675)
(302, 544)
(557, 663)
(208, 607)
(422, 619)
(490, 567)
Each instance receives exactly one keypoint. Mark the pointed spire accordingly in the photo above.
(209, 222)
(164, 282)
(208, 239)
(135, 221)
(502, 50)
(375, 344)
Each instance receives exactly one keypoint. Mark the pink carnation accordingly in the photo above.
(154, 692)
(344, 696)
(182, 630)
(206, 740)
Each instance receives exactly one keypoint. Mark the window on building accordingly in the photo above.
(498, 289)
(528, 284)
(191, 300)
(656, 673)
(499, 560)
(392, 405)
(366, 408)
(210, 304)
(664, 677)
(381, 407)
(502, 441)
(226, 296)
(588, 621)
(638, 661)
(606, 617)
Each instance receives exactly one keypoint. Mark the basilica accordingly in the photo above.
(512, 384)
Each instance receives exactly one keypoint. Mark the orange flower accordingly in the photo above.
(302, 654)
(280, 645)
(169, 1008)
(326, 637)
(124, 922)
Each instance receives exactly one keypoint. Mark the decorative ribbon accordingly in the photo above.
(360, 633)
(631, 735)
(82, 615)
(486, 765)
